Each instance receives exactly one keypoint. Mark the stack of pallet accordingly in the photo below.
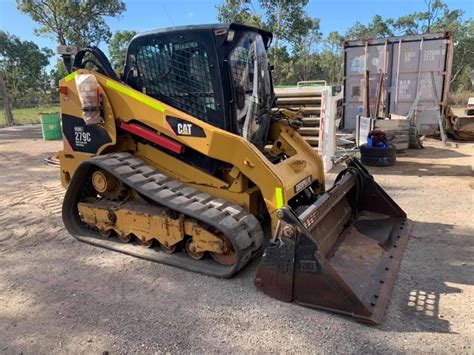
(396, 130)
(307, 100)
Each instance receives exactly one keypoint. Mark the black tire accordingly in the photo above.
(376, 152)
(378, 161)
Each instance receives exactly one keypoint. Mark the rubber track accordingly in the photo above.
(241, 228)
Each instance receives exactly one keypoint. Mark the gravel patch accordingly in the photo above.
(58, 295)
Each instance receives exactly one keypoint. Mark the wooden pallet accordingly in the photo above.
(308, 102)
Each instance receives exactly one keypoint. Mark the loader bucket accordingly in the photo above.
(341, 253)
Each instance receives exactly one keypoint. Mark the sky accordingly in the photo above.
(143, 15)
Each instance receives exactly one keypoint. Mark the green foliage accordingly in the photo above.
(420, 21)
(239, 11)
(307, 67)
(294, 33)
(118, 47)
(331, 58)
(377, 28)
(59, 72)
(23, 64)
(305, 58)
(463, 32)
(79, 23)
(436, 18)
(285, 72)
(287, 20)
(299, 51)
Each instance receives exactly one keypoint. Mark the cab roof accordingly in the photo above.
(267, 36)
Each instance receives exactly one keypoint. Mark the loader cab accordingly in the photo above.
(217, 73)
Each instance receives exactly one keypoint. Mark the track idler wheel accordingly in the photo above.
(227, 257)
(108, 186)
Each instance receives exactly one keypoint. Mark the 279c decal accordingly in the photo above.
(81, 137)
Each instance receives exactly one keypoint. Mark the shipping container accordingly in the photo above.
(406, 63)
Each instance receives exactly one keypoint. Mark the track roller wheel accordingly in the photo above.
(191, 250)
(105, 233)
(124, 238)
(168, 249)
(146, 244)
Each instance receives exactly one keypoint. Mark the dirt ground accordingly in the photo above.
(58, 295)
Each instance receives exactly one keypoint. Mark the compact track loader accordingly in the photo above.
(179, 159)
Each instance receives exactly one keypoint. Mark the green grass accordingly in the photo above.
(23, 116)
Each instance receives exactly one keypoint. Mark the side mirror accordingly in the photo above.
(239, 96)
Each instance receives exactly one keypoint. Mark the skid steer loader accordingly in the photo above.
(179, 159)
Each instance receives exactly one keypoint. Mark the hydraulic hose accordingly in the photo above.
(102, 61)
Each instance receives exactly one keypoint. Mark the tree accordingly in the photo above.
(291, 27)
(295, 54)
(419, 22)
(6, 102)
(284, 73)
(59, 71)
(239, 11)
(306, 60)
(331, 58)
(463, 33)
(79, 23)
(23, 64)
(118, 47)
(377, 28)
(288, 21)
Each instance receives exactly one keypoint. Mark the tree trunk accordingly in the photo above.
(276, 38)
(6, 103)
(453, 78)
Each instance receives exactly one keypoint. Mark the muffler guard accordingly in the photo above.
(340, 254)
